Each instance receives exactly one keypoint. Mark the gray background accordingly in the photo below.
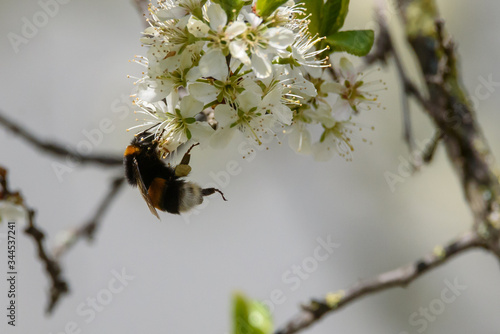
(72, 74)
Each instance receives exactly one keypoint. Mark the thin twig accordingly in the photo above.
(142, 8)
(55, 149)
(88, 229)
(384, 47)
(399, 277)
(59, 287)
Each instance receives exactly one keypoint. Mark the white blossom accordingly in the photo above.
(249, 74)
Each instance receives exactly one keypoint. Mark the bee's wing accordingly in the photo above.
(143, 189)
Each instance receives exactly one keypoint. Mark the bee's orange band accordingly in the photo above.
(155, 192)
(131, 150)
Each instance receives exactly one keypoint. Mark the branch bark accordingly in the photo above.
(399, 277)
(88, 229)
(59, 286)
(445, 101)
(55, 149)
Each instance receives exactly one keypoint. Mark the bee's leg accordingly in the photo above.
(183, 169)
(187, 156)
(210, 191)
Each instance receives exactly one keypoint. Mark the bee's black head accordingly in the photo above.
(144, 140)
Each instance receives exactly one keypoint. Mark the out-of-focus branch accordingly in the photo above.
(383, 49)
(399, 277)
(142, 8)
(448, 106)
(55, 149)
(88, 229)
(59, 287)
(456, 126)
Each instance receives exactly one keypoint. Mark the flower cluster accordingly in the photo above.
(209, 77)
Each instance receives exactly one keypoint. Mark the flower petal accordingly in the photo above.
(190, 106)
(201, 132)
(171, 13)
(261, 65)
(342, 110)
(323, 151)
(213, 64)
(238, 50)
(332, 87)
(235, 29)
(217, 17)
(222, 137)
(299, 139)
(225, 115)
(347, 70)
(153, 90)
(279, 38)
(197, 28)
(203, 92)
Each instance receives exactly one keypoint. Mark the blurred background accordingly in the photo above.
(72, 74)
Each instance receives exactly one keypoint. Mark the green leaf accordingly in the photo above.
(231, 7)
(264, 8)
(355, 42)
(250, 317)
(314, 7)
(333, 16)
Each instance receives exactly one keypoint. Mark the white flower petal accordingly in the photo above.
(332, 87)
(315, 72)
(238, 50)
(213, 64)
(193, 74)
(225, 115)
(279, 38)
(172, 101)
(235, 29)
(222, 137)
(347, 69)
(322, 115)
(247, 100)
(190, 106)
(201, 132)
(342, 111)
(217, 17)
(251, 85)
(197, 28)
(153, 91)
(203, 92)
(323, 151)
(261, 65)
(253, 19)
(272, 102)
(300, 85)
(299, 139)
(171, 13)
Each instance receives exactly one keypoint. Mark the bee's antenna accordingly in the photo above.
(140, 133)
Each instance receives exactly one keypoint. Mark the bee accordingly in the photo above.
(162, 186)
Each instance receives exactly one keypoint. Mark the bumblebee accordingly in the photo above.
(161, 186)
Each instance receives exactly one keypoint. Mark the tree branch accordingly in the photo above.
(467, 149)
(142, 8)
(55, 149)
(88, 229)
(59, 287)
(399, 277)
